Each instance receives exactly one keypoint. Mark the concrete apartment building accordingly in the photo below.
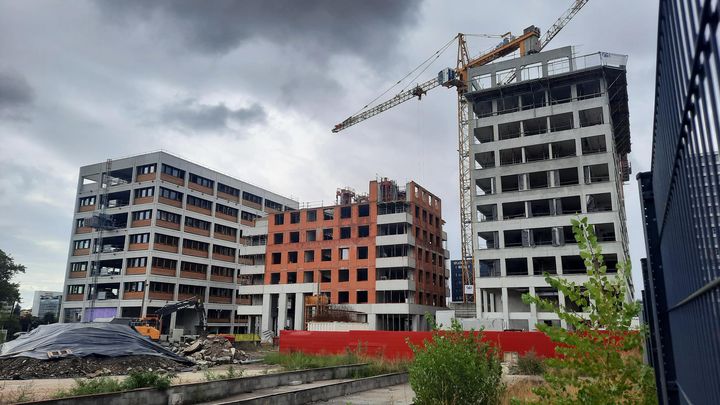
(46, 302)
(551, 138)
(380, 256)
(159, 229)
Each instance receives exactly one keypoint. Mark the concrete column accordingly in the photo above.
(372, 321)
(561, 301)
(266, 313)
(505, 307)
(299, 321)
(533, 312)
(282, 311)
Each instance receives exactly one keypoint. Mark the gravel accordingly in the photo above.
(25, 368)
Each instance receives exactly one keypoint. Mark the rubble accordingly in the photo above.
(209, 351)
(25, 368)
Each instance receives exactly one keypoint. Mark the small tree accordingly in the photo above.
(601, 355)
(455, 367)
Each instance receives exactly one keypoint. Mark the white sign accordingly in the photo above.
(469, 289)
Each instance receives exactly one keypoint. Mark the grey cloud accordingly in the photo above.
(216, 27)
(15, 93)
(193, 115)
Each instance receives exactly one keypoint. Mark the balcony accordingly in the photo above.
(400, 261)
(401, 239)
(403, 285)
(394, 218)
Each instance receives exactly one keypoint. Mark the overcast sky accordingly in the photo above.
(252, 89)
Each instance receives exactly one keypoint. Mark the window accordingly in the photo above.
(294, 237)
(193, 267)
(327, 234)
(364, 210)
(362, 297)
(82, 244)
(202, 181)
(146, 169)
(76, 289)
(345, 232)
(291, 278)
(225, 230)
(309, 256)
(222, 271)
(144, 192)
(247, 216)
(308, 277)
(196, 245)
(363, 231)
(326, 255)
(274, 278)
(78, 267)
(80, 223)
(344, 275)
(362, 275)
(295, 217)
(168, 216)
(343, 297)
(344, 253)
(140, 238)
(199, 202)
(310, 236)
(161, 263)
(346, 212)
(85, 201)
(276, 257)
(197, 223)
(590, 117)
(170, 194)
(224, 250)
(172, 171)
(328, 214)
(593, 144)
(251, 198)
(279, 219)
(135, 286)
(292, 257)
(224, 209)
(311, 215)
(325, 276)
(362, 252)
(222, 188)
(278, 238)
(273, 205)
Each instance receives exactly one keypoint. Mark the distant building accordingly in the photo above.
(46, 302)
(456, 280)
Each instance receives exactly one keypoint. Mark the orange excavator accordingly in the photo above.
(151, 325)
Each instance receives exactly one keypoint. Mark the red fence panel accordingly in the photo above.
(394, 344)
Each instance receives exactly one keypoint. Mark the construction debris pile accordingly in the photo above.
(210, 351)
(84, 350)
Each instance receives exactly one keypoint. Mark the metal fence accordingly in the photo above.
(681, 207)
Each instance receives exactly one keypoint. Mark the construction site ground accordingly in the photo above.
(34, 390)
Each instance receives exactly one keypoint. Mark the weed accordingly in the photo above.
(101, 385)
(528, 364)
(231, 373)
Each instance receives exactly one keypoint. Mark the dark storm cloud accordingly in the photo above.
(15, 93)
(193, 115)
(216, 27)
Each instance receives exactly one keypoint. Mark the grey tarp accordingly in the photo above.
(85, 339)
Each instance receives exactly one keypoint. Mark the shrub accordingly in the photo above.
(142, 379)
(528, 364)
(601, 355)
(102, 385)
(455, 367)
(230, 374)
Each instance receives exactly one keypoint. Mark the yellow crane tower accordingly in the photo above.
(527, 43)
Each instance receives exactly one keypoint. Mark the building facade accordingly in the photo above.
(379, 258)
(152, 229)
(456, 282)
(551, 138)
(681, 205)
(46, 302)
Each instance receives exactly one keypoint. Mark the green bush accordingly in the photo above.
(230, 374)
(456, 367)
(102, 385)
(142, 379)
(528, 364)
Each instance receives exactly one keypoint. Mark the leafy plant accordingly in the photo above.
(455, 367)
(601, 354)
(102, 385)
(528, 364)
(142, 379)
(231, 373)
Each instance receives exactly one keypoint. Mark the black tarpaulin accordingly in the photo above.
(85, 339)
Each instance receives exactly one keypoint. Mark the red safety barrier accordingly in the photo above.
(394, 344)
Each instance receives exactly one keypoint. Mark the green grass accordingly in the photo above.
(231, 373)
(301, 361)
(102, 385)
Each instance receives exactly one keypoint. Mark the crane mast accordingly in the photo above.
(527, 43)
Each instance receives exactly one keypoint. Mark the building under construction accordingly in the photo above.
(550, 141)
(376, 259)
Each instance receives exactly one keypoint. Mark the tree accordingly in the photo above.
(455, 367)
(601, 354)
(48, 318)
(9, 292)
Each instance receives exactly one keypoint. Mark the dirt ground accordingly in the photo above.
(12, 391)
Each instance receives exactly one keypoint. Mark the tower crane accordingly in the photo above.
(529, 42)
